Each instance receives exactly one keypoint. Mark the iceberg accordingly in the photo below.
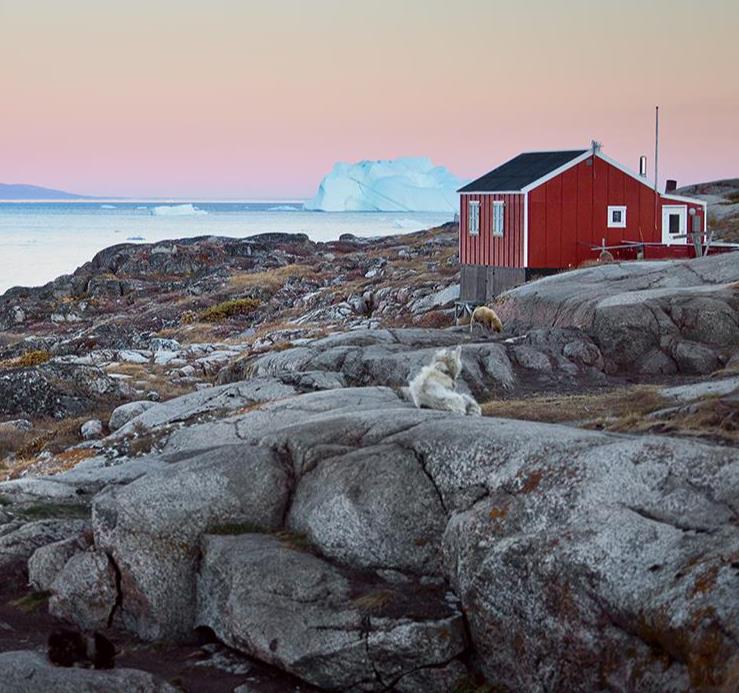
(176, 210)
(406, 184)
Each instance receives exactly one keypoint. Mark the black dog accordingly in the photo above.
(71, 648)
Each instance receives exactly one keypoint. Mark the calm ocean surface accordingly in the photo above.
(41, 240)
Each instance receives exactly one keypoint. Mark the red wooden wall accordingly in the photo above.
(569, 213)
(486, 249)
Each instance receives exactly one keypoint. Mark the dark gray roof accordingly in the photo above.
(521, 170)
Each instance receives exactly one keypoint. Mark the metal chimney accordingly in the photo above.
(643, 166)
(670, 185)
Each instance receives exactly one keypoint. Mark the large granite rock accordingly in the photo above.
(332, 628)
(648, 317)
(385, 357)
(581, 559)
(151, 527)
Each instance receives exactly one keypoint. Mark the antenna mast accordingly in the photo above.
(656, 163)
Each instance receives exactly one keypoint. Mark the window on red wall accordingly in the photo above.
(498, 210)
(617, 217)
(473, 218)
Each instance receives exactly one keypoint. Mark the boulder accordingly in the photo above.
(151, 527)
(91, 429)
(49, 560)
(204, 403)
(389, 358)
(19, 545)
(632, 310)
(30, 672)
(616, 555)
(15, 425)
(356, 508)
(330, 627)
(54, 389)
(126, 412)
(84, 591)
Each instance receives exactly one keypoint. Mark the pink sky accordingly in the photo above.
(243, 99)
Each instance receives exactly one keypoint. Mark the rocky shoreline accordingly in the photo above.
(260, 500)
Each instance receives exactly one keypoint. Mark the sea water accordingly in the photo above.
(41, 240)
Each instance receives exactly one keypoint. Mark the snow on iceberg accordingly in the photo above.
(176, 210)
(407, 184)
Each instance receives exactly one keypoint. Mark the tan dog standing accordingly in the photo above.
(487, 317)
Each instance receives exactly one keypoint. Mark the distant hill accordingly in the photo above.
(34, 192)
(722, 197)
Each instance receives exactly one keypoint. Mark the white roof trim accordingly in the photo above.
(553, 174)
(494, 192)
(680, 198)
(558, 149)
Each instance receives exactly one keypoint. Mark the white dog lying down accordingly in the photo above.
(433, 387)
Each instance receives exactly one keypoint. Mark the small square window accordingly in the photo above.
(616, 217)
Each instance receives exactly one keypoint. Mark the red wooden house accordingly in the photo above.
(545, 211)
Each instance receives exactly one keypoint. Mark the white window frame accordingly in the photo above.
(498, 223)
(616, 224)
(682, 212)
(473, 217)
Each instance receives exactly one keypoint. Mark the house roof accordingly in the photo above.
(521, 171)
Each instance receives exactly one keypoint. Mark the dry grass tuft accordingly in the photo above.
(271, 280)
(48, 434)
(30, 358)
(61, 462)
(628, 410)
(640, 400)
(229, 309)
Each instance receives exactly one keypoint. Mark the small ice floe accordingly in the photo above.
(283, 208)
(176, 210)
(108, 207)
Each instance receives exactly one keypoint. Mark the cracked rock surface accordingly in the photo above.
(359, 543)
(645, 317)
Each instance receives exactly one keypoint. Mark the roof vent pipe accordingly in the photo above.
(643, 166)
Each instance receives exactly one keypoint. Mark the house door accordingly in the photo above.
(675, 224)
